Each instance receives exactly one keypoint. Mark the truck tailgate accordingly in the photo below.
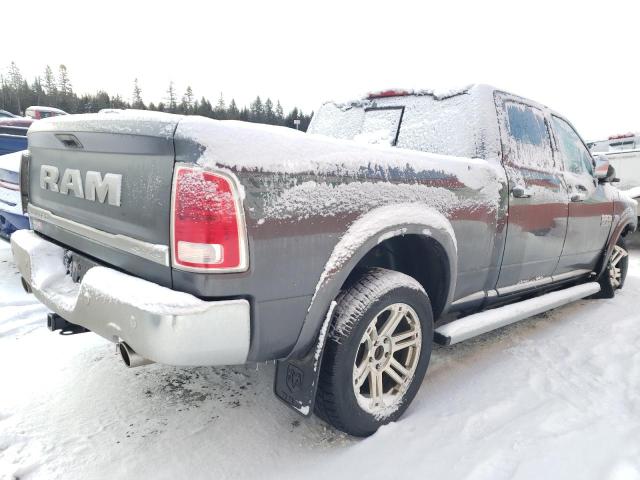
(122, 219)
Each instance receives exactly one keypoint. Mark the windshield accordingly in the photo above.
(416, 122)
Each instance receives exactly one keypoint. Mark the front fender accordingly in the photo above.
(628, 220)
(296, 377)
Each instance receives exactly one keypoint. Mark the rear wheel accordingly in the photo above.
(616, 271)
(377, 352)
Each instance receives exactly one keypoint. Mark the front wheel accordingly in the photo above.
(615, 273)
(377, 352)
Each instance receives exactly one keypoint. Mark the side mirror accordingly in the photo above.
(602, 168)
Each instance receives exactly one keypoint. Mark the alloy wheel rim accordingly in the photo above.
(615, 272)
(387, 358)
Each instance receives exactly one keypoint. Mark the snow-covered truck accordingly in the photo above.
(342, 253)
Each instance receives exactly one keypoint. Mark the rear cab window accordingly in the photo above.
(380, 125)
(420, 122)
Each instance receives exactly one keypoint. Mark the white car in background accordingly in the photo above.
(39, 112)
(623, 153)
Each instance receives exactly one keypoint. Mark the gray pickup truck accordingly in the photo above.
(342, 253)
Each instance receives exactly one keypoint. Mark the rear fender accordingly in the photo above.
(297, 375)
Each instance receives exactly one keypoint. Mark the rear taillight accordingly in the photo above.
(208, 231)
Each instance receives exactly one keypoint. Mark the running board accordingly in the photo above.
(483, 322)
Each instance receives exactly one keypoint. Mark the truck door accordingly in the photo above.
(538, 204)
(590, 211)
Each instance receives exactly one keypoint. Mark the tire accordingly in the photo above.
(615, 272)
(360, 356)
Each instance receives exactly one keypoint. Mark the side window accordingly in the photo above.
(529, 139)
(575, 154)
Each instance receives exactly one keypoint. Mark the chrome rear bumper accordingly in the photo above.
(160, 324)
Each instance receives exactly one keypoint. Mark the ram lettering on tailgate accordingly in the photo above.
(95, 186)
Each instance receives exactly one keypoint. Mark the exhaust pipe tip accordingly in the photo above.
(130, 358)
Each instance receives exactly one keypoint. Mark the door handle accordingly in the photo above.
(578, 197)
(520, 192)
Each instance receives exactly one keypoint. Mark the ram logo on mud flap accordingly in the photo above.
(294, 378)
(96, 187)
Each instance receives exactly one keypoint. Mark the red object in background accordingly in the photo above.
(388, 93)
(621, 135)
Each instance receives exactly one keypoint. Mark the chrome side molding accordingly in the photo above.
(149, 251)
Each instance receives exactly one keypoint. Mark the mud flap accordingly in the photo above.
(297, 378)
(296, 382)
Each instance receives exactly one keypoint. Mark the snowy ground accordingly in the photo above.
(556, 396)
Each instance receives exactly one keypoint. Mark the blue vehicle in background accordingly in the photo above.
(13, 140)
(13, 133)
(11, 216)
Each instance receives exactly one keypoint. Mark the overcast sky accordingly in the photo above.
(579, 57)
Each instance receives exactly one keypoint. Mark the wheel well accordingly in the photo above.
(627, 230)
(418, 256)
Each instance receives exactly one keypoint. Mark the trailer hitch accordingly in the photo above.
(56, 322)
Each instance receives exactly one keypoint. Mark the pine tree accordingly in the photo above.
(4, 89)
(38, 91)
(232, 112)
(257, 110)
(15, 82)
(187, 101)
(136, 101)
(50, 83)
(118, 102)
(172, 104)
(64, 83)
(206, 110)
(221, 108)
(66, 97)
(269, 115)
(15, 77)
(279, 113)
